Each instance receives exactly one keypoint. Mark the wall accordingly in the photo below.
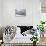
(36, 12)
(32, 12)
(1, 17)
(1, 13)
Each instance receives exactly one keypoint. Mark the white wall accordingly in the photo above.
(32, 12)
(1, 12)
(36, 12)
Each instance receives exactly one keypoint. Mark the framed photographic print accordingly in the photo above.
(20, 12)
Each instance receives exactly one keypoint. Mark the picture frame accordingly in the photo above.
(20, 12)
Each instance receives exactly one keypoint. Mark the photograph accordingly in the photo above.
(20, 12)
